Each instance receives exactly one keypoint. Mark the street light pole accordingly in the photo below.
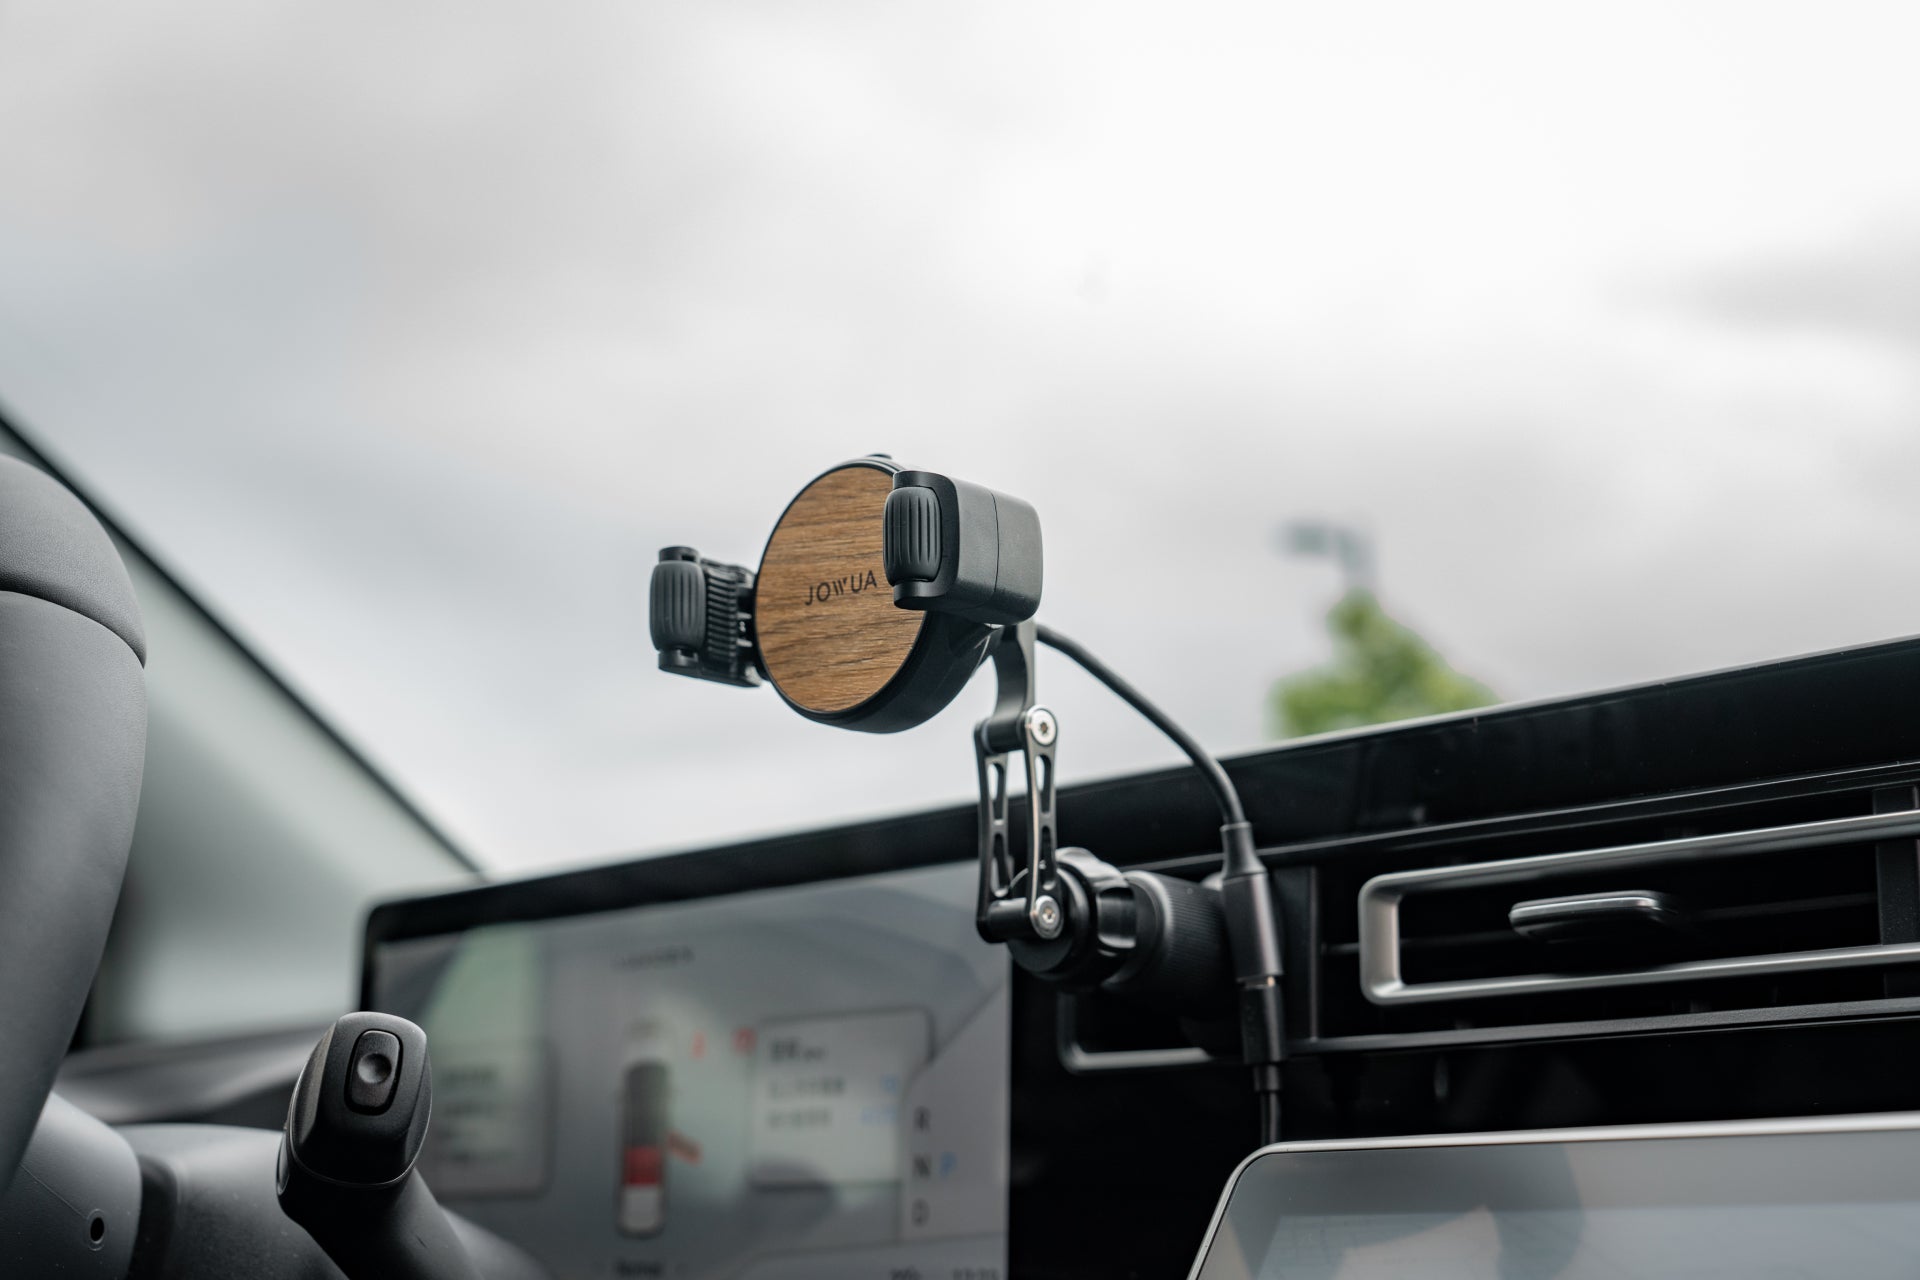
(1346, 545)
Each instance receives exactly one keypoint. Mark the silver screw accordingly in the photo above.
(1046, 917)
(1042, 725)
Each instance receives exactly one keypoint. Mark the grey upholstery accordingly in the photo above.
(53, 548)
(72, 747)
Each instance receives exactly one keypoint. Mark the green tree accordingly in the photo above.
(1381, 671)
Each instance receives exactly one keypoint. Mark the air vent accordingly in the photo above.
(1813, 912)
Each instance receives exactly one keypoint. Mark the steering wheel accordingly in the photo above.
(73, 733)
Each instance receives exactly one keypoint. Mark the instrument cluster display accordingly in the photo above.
(794, 1084)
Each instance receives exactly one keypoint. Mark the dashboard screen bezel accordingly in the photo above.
(804, 858)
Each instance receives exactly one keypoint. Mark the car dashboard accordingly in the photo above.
(794, 1057)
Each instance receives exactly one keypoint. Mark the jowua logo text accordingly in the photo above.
(852, 585)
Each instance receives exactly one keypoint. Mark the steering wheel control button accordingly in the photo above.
(372, 1071)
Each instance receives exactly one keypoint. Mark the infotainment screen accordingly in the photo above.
(1808, 1198)
(806, 1083)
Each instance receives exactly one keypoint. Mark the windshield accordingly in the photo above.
(1362, 361)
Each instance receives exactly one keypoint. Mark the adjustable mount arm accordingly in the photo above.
(1083, 923)
(1017, 725)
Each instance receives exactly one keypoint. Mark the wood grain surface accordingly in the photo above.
(830, 634)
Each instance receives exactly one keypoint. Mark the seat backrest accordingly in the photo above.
(73, 725)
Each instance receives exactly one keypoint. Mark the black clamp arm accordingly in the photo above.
(700, 618)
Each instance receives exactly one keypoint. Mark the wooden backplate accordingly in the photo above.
(830, 635)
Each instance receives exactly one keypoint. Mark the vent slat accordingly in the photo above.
(1770, 901)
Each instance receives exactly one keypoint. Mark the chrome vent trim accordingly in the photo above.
(1380, 899)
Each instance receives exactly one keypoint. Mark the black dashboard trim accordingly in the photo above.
(1751, 732)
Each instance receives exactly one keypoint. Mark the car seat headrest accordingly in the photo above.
(53, 548)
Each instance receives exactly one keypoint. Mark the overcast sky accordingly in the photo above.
(410, 332)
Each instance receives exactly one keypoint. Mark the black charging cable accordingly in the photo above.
(1246, 897)
(1216, 778)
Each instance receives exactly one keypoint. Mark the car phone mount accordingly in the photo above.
(822, 620)
(355, 1126)
(880, 592)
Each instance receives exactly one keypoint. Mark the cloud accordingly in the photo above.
(412, 333)
(1867, 286)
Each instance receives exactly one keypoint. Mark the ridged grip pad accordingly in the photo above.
(677, 605)
(912, 548)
